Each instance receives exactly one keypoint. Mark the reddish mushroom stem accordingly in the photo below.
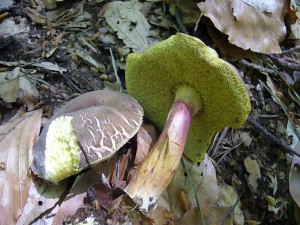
(157, 170)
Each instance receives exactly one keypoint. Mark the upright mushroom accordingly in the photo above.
(87, 130)
(204, 93)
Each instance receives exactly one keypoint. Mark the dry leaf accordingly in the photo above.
(42, 198)
(130, 24)
(263, 6)
(50, 66)
(9, 27)
(216, 201)
(205, 183)
(295, 28)
(68, 208)
(144, 141)
(15, 85)
(16, 155)
(247, 140)
(188, 10)
(117, 180)
(228, 198)
(294, 176)
(80, 187)
(227, 49)
(245, 26)
(6, 4)
(217, 216)
(252, 168)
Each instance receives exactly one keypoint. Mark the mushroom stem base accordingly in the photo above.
(158, 169)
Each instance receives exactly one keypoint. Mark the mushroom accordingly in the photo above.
(204, 93)
(86, 131)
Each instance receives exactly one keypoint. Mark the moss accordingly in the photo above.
(62, 150)
(152, 78)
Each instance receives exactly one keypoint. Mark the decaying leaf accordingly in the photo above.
(272, 204)
(74, 18)
(188, 10)
(16, 154)
(42, 198)
(247, 140)
(294, 176)
(68, 208)
(295, 28)
(9, 27)
(263, 6)
(15, 85)
(87, 58)
(216, 201)
(252, 168)
(81, 185)
(50, 66)
(144, 141)
(229, 198)
(130, 24)
(5, 4)
(247, 27)
(117, 177)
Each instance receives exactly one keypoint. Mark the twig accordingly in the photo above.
(217, 141)
(179, 21)
(71, 84)
(256, 67)
(296, 48)
(270, 136)
(223, 154)
(113, 62)
(285, 63)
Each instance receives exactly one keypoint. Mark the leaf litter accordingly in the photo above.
(54, 55)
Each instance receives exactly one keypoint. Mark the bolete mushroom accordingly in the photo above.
(87, 130)
(204, 93)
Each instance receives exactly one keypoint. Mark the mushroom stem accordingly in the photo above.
(158, 168)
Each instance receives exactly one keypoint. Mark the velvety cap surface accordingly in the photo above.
(90, 128)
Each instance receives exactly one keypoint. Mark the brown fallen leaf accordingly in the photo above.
(15, 85)
(144, 141)
(73, 201)
(216, 200)
(252, 168)
(247, 27)
(117, 177)
(130, 24)
(294, 177)
(42, 198)
(16, 155)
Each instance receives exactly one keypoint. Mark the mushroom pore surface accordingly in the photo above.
(62, 150)
(153, 76)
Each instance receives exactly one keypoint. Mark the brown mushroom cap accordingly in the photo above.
(88, 129)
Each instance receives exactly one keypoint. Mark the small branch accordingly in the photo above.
(256, 67)
(179, 21)
(285, 63)
(270, 136)
(115, 69)
(296, 48)
(71, 84)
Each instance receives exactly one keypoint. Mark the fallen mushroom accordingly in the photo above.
(87, 130)
(204, 93)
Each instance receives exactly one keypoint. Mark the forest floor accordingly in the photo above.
(55, 55)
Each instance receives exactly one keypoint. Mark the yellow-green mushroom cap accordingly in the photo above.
(152, 78)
